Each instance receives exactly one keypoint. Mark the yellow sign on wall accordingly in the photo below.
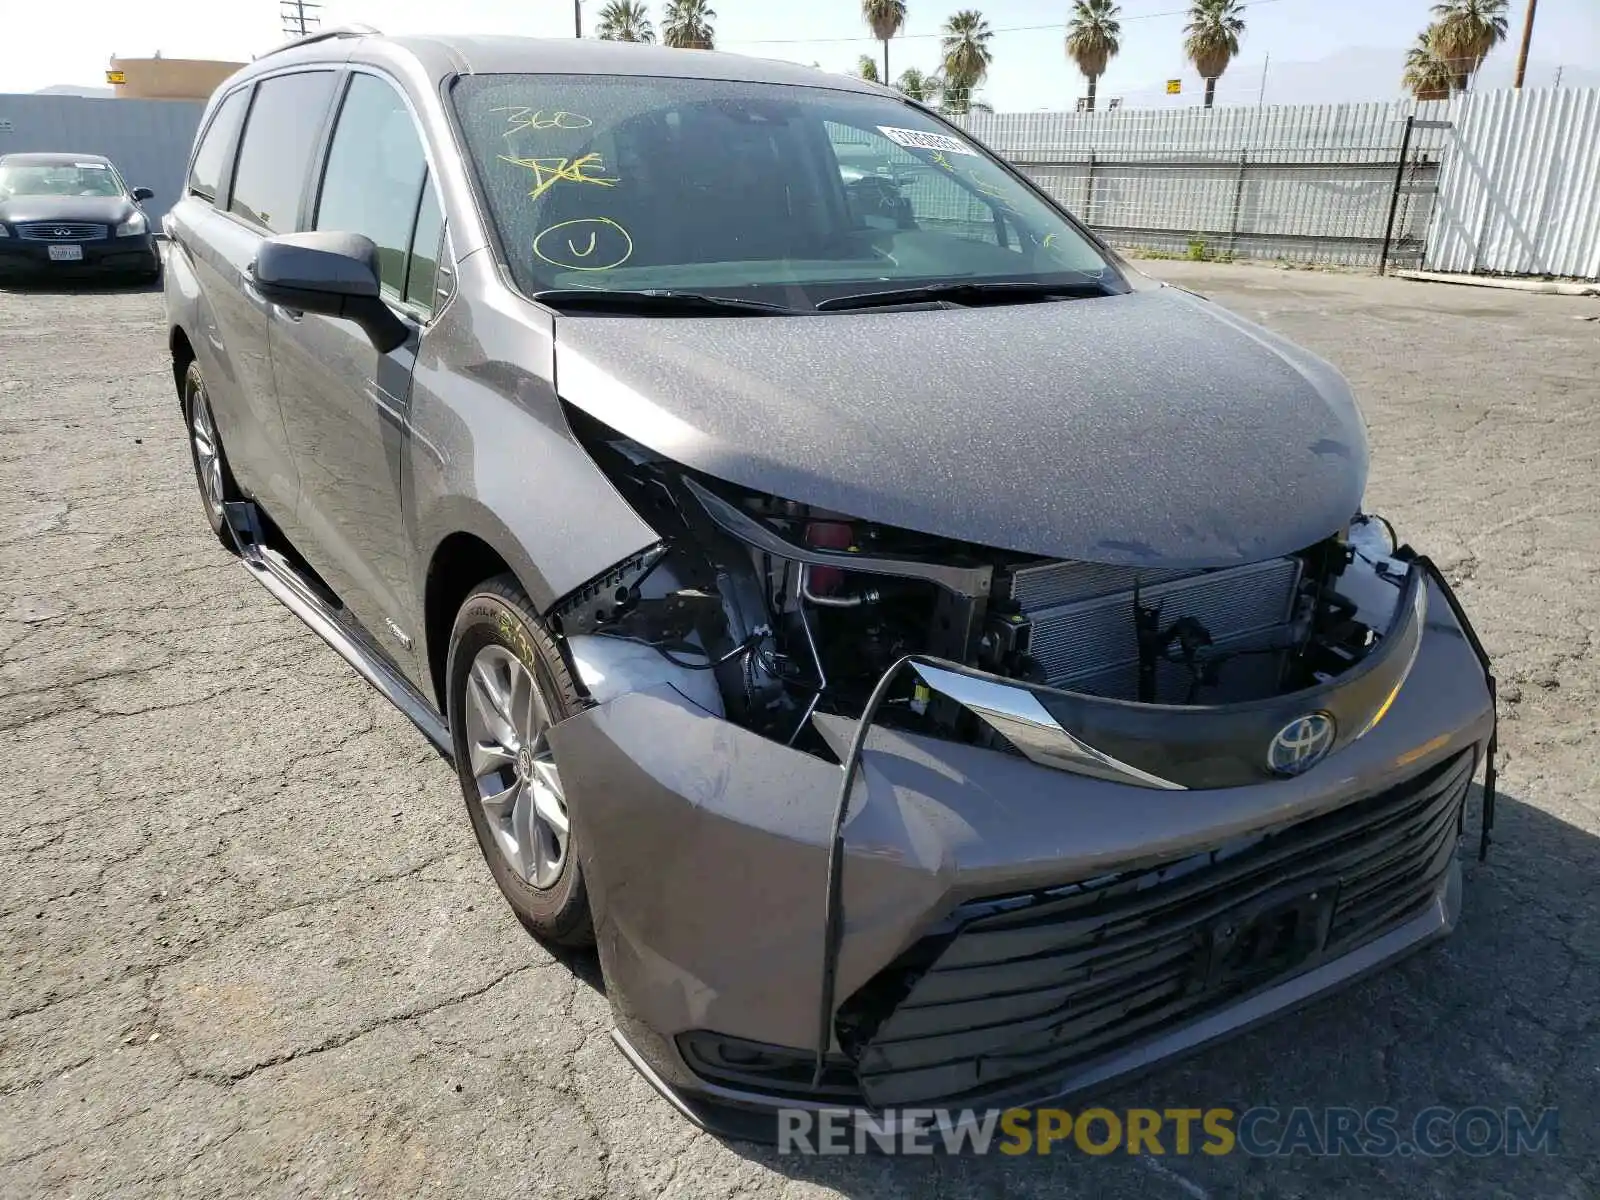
(1174, 87)
(116, 77)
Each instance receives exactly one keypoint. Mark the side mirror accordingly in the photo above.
(335, 274)
(143, 194)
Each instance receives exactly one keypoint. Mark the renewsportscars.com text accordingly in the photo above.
(1259, 1132)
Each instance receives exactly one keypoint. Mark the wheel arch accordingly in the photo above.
(183, 354)
(459, 563)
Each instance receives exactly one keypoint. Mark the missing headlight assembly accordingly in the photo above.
(791, 611)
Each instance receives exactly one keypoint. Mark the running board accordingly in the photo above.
(275, 573)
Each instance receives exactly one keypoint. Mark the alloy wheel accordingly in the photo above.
(519, 787)
(207, 457)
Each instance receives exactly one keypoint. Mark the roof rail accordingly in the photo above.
(323, 35)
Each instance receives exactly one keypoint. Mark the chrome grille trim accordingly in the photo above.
(60, 231)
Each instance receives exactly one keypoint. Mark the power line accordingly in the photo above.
(915, 37)
(300, 17)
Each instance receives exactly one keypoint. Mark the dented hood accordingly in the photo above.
(1151, 427)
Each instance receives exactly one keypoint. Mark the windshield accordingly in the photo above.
(66, 179)
(761, 191)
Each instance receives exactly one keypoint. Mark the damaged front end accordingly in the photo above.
(1083, 826)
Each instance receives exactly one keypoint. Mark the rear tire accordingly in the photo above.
(505, 685)
(211, 473)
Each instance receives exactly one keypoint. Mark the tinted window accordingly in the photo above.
(206, 175)
(760, 190)
(423, 282)
(276, 151)
(374, 173)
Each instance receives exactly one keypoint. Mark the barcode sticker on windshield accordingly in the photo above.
(916, 139)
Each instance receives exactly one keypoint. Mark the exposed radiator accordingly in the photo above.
(1081, 627)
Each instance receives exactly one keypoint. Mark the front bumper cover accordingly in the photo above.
(705, 849)
(136, 253)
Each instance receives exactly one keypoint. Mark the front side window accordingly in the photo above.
(374, 176)
(762, 190)
(59, 179)
(275, 155)
(205, 177)
(427, 246)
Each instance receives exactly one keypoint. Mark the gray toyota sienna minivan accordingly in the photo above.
(934, 662)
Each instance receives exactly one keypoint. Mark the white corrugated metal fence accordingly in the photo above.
(1520, 189)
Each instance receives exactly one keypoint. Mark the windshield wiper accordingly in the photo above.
(968, 292)
(649, 300)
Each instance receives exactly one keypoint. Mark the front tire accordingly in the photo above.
(506, 685)
(211, 472)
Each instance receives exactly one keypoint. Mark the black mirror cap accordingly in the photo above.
(336, 264)
(140, 194)
(334, 274)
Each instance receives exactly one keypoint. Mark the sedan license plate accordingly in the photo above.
(66, 253)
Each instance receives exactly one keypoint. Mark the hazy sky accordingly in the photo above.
(1029, 72)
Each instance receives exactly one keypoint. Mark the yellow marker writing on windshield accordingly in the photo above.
(547, 172)
(523, 119)
(574, 245)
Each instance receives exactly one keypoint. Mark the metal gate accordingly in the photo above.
(1411, 203)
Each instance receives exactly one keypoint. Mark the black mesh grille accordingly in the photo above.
(1030, 985)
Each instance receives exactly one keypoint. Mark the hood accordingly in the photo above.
(1152, 427)
(97, 210)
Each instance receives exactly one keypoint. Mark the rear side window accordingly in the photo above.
(374, 176)
(276, 151)
(205, 177)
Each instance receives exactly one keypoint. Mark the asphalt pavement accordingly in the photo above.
(248, 945)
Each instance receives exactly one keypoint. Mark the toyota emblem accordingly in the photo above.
(1301, 744)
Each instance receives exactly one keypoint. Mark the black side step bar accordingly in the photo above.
(275, 573)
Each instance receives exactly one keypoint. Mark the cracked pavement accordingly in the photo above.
(250, 946)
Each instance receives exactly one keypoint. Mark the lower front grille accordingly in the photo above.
(60, 231)
(1026, 987)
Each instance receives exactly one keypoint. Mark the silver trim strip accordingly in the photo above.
(1016, 714)
(281, 580)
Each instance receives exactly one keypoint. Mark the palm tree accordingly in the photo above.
(1093, 39)
(867, 68)
(1465, 32)
(1211, 39)
(1428, 75)
(917, 86)
(886, 18)
(688, 25)
(625, 21)
(966, 57)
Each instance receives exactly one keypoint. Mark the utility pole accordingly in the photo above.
(1527, 41)
(1261, 100)
(577, 18)
(299, 17)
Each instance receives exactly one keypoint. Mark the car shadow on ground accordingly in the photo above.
(1501, 1014)
(87, 286)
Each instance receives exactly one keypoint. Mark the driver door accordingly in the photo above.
(346, 406)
